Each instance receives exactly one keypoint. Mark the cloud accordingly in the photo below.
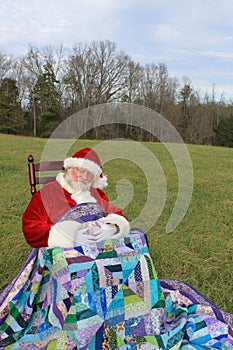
(226, 55)
(193, 38)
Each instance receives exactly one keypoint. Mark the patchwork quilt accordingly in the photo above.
(106, 297)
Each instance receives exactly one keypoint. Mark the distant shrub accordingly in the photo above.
(224, 133)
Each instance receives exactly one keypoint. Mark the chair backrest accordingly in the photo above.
(39, 172)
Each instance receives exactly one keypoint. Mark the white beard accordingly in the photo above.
(79, 191)
(77, 185)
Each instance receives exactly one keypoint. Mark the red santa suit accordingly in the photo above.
(56, 198)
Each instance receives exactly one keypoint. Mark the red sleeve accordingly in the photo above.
(45, 207)
(36, 223)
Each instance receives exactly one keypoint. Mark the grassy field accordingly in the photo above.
(199, 251)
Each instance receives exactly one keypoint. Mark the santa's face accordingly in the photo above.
(79, 179)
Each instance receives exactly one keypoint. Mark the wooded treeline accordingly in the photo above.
(47, 85)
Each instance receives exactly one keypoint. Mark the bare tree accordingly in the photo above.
(6, 66)
(95, 73)
(134, 79)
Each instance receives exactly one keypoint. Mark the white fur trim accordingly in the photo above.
(62, 234)
(120, 221)
(84, 164)
(101, 182)
(83, 197)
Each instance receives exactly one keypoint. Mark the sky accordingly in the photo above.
(193, 38)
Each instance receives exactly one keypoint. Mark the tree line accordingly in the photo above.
(47, 85)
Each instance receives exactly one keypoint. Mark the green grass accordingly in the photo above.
(199, 251)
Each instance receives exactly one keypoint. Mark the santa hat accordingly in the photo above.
(87, 158)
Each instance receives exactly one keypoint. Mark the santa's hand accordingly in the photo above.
(91, 226)
(106, 231)
(83, 237)
(120, 221)
(68, 234)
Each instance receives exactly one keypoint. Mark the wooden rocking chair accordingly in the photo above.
(39, 172)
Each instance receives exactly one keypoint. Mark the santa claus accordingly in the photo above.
(74, 210)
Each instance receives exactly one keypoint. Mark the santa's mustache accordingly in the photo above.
(78, 184)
